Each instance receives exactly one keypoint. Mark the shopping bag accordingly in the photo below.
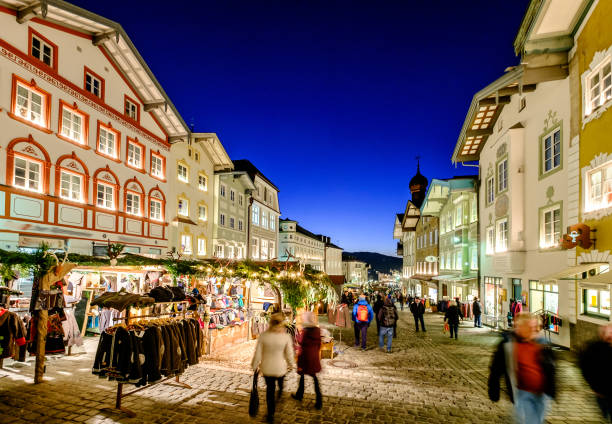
(446, 327)
(254, 401)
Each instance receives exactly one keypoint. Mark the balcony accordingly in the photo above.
(400, 249)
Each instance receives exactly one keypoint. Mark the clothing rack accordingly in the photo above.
(120, 395)
(547, 331)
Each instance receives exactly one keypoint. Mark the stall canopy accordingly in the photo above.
(571, 272)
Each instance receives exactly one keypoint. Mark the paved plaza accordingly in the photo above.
(428, 378)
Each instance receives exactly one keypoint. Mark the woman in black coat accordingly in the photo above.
(452, 316)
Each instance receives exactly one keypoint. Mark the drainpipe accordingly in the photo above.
(248, 224)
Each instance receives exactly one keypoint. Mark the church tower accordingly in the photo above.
(418, 187)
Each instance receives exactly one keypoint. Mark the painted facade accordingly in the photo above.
(86, 149)
(426, 257)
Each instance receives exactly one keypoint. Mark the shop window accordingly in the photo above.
(596, 302)
(94, 83)
(183, 172)
(543, 297)
(30, 104)
(550, 226)
(501, 235)
(27, 174)
(132, 203)
(599, 187)
(70, 186)
(42, 49)
(105, 196)
(186, 244)
(155, 210)
(493, 306)
(599, 87)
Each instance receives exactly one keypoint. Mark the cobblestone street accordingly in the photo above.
(427, 378)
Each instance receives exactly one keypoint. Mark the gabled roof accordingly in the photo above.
(440, 190)
(249, 168)
(215, 150)
(411, 217)
(117, 46)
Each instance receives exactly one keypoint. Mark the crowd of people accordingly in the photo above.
(523, 358)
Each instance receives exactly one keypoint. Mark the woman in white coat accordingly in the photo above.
(274, 357)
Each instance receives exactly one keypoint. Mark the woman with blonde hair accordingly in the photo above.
(274, 357)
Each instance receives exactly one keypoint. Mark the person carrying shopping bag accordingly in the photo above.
(273, 358)
(309, 362)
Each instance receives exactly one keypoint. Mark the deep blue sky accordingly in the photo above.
(331, 100)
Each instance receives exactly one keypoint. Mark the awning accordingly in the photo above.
(421, 277)
(604, 278)
(571, 272)
(445, 277)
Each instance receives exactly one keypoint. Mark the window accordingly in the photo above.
(264, 249)
(596, 302)
(255, 214)
(272, 249)
(132, 203)
(502, 176)
(490, 240)
(551, 151)
(183, 207)
(219, 251)
(73, 124)
(222, 190)
(201, 246)
(232, 222)
(474, 211)
(490, 190)
(501, 235)
(599, 87)
(222, 219)
(43, 49)
(543, 297)
(182, 173)
(186, 243)
(158, 166)
(240, 199)
(70, 186)
(202, 182)
(272, 222)
(232, 195)
(106, 196)
(197, 156)
(550, 226)
(108, 141)
(240, 225)
(94, 83)
(459, 260)
(135, 154)
(27, 174)
(599, 188)
(155, 210)
(255, 248)
(202, 212)
(459, 215)
(131, 109)
(29, 103)
(230, 252)
(264, 219)
(474, 257)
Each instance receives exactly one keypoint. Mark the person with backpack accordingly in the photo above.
(362, 317)
(388, 317)
(418, 311)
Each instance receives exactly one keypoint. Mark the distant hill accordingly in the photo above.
(379, 262)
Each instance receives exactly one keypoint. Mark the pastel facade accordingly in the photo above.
(298, 244)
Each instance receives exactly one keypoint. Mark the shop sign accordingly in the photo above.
(431, 259)
(577, 235)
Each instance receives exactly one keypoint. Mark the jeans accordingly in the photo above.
(361, 328)
(418, 318)
(300, 391)
(388, 332)
(270, 392)
(454, 328)
(477, 321)
(530, 408)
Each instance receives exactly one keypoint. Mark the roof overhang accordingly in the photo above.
(435, 198)
(549, 26)
(118, 47)
(411, 217)
(575, 272)
(215, 150)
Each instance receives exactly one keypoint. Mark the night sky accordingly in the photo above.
(331, 100)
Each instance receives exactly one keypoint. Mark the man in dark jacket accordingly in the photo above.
(477, 310)
(418, 310)
(452, 316)
(529, 370)
(387, 317)
(401, 300)
(597, 369)
(377, 306)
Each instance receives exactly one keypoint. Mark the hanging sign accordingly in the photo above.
(577, 235)
(431, 259)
